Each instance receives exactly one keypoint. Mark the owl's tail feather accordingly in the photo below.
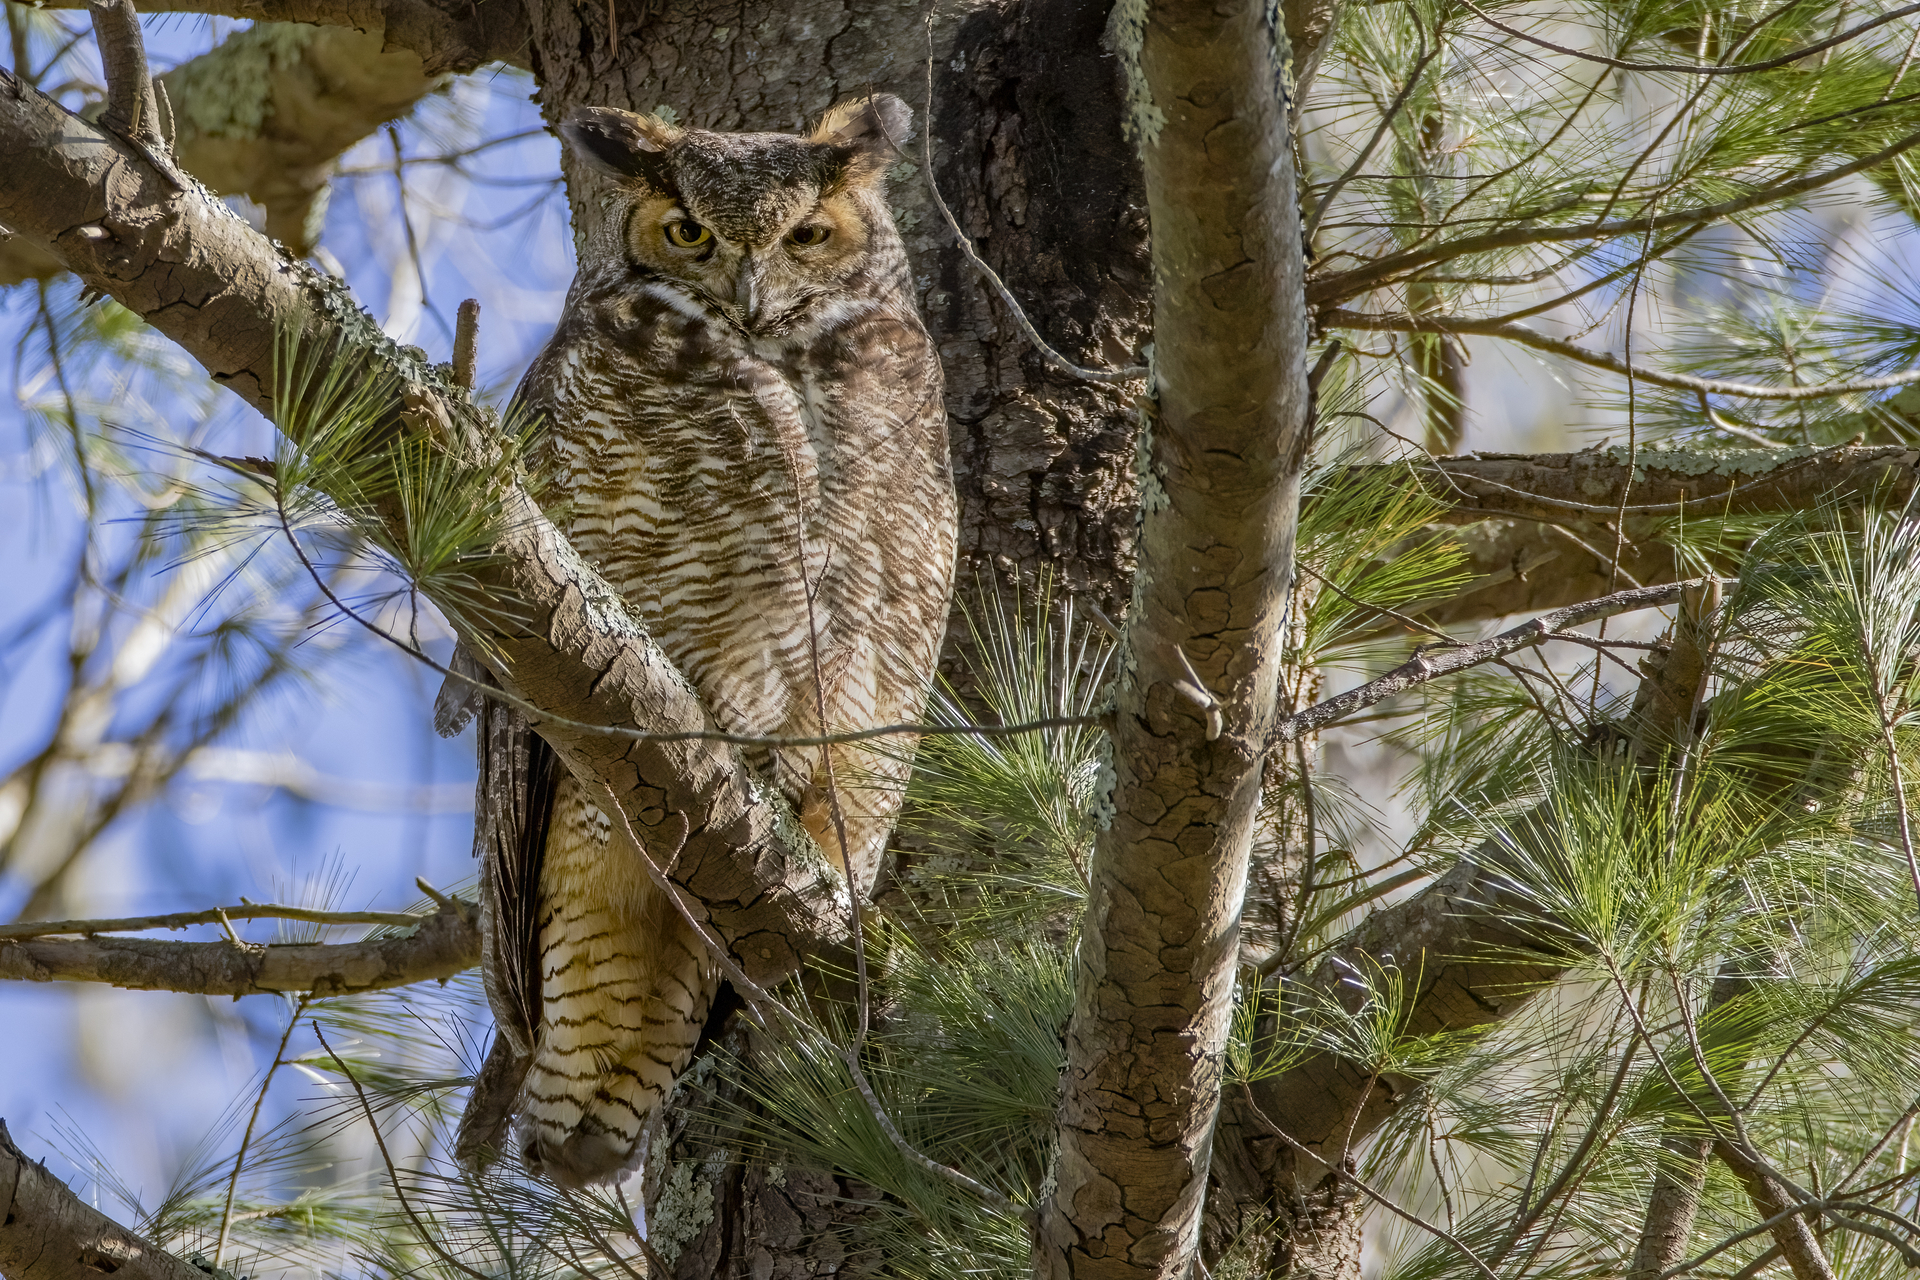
(482, 1136)
(625, 989)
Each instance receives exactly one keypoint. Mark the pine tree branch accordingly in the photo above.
(1531, 548)
(442, 945)
(1431, 662)
(49, 1233)
(1325, 290)
(272, 138)
(1695, 68)
(181, 260)
(213, 915)
(1518, 333)
(1587, 486)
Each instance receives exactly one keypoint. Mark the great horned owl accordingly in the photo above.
(744, 429)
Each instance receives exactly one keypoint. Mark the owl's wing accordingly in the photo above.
(513, 806)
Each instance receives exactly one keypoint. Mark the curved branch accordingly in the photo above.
(444, 944)
(185, 263)
(1339, 319)
(272, 137)
(49, 1233)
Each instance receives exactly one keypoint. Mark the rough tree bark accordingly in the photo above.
(49, 1233)
(1219, 505)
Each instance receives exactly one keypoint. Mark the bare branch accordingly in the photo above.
(49, 1233)
(1425, 666)
(1333, 286)
(1695, 69)
(212, 915)
(1607, 360)
(444, 944)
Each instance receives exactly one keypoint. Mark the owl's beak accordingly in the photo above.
(746, 293)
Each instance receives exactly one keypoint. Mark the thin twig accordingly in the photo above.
(1380, 131)
(1526, 1216)
(1412, 624)
(1345, 284)
(1512, 332)
(1014, 309)
(1420, 668)
(1713, 69)
(246, 1138)
(393, 1174)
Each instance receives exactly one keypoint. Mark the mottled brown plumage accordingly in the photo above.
(742, 420)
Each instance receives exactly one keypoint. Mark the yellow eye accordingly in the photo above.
(809, 236)
(687, 234)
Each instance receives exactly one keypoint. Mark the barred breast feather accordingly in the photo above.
(763, 474)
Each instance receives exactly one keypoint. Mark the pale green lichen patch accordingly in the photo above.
(231, 96)
(1682, 461)
(1126, 34)
(684, 1209)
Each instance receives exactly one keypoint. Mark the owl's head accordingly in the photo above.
(764, 228)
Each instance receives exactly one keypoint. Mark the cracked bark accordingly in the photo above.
(441, 946)
(266, 115)
(1160, 940)
(49, 1233)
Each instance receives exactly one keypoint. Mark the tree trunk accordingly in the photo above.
(1026, 119)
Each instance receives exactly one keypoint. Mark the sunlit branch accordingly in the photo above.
(212, 915)
(49, 1233)
(444, 944)
(1500, 328)
(1425, 666)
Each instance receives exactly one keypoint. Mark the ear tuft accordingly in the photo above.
(621, 144)
(870, 129)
